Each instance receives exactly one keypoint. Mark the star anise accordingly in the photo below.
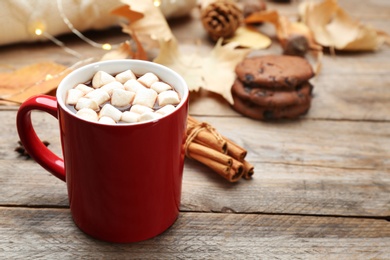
(22, 151)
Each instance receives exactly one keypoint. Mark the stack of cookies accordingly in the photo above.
(273, 87)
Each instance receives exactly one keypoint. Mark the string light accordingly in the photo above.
(38, 28)
(38, 31)
(105, 46)
(157, 3)
(49, 77)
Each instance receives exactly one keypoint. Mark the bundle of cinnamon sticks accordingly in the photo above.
(206, 145)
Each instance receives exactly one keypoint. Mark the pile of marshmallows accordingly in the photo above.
(123, 98)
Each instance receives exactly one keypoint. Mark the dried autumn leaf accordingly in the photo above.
(250, 38)
(146, 20)
(215, 72)
(219, 68)
(270, 16)
(333, 27)
(286, 30)
(123, 52)
(127, 13)
(188, 66)
(39, 78)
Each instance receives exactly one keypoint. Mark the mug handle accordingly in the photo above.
(33, 145)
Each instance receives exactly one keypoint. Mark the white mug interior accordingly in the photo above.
(139, 67)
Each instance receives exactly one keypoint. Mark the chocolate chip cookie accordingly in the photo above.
(273, 87)
(249, 109)
(274, 71)
(271, 98)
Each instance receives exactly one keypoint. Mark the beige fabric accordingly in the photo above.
(19, 18)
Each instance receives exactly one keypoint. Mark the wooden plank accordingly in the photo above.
(50, 233)
(345, 144)
(305, 167)
(275, 188)
(288, 189)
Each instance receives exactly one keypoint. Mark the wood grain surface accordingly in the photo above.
(321, 188)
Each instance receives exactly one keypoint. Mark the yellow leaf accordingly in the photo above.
(188, 66)
(219, 68)
(250, 38)
(123, 52)
(215, 72)
(39, 78)
(151, 27)
(333, 27)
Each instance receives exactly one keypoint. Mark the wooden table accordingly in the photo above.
(321, 188)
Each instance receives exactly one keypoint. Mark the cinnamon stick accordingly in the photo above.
(219, 168)
(195, 148)
(222, 155)
(207, 138)
(238, 168)
(248, 170)
(235, 150)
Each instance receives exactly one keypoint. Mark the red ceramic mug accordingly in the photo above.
(124, 181)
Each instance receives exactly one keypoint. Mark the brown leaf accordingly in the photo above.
(333, 27)
(125, 51)
(214, 72)
(127, 13)
(269, 16)
(151, 27)
(39, 78)
(284, 27)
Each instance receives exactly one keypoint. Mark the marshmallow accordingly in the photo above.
(146, 97)
(148, 79)
(87, 103)
(121, 97)
(160, 87)
(99, 96)
(130, 117)
(133, 85)
(105, 97)
(84, 88)
(166, 110)
(149, 116)
(87, 114)
(107, 120)
(139, 109)
(101, 78)
(111, 86)
(111, 111)
(125, 76)
(73, 96)
(168, 97)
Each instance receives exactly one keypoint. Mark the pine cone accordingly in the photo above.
(221, 19)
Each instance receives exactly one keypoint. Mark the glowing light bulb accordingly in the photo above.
(38, 31)
(37, 27)
(157, 3)
(106, 46)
